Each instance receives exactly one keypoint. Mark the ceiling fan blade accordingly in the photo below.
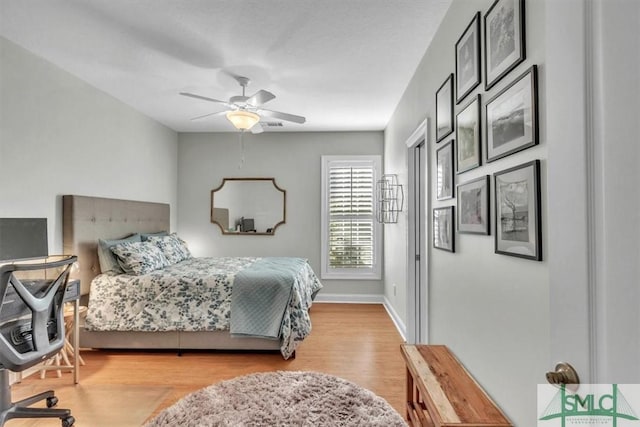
(283, 116)
(217, 113)
(193, 95)
(260, 97)
(257, 128)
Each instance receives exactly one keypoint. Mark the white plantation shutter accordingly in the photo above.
(351, 217)
(350, 231)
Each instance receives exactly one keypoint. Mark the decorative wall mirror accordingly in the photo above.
(248, 206)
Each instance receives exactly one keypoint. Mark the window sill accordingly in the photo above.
(350, 276)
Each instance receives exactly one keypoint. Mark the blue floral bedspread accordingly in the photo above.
(192, 295)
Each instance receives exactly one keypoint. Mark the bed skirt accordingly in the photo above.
(173, 340)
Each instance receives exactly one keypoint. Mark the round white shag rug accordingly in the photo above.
(282, 398)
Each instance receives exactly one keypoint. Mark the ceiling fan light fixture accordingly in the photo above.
(242, 119)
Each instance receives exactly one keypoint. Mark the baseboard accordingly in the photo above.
(350, 298)
(402, 329)
(365, 299)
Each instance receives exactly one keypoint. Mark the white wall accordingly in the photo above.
(491, 310)
(58, 135)
(293, 159)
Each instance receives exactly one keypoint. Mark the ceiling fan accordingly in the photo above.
(245, 112)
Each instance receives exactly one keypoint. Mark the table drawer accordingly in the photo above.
(72, 292)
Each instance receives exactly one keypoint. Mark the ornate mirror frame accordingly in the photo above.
(220, 215)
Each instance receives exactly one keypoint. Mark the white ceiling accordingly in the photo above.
(343, 64)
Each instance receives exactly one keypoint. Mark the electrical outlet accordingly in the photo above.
(394, 289)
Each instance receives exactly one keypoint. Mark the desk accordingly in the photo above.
(72, 295)
(440, 391)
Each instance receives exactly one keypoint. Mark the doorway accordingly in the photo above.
(418, 197)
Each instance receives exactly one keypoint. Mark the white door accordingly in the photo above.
(593, 112)
(418, 199)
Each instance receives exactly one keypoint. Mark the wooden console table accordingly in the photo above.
(440, 391)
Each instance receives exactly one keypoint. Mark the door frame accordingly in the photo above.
(417, 286)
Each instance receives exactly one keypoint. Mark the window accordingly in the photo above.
(351, 243)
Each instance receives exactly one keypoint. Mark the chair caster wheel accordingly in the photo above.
(52, 401)
(68, 422)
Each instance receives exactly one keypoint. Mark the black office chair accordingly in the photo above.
(31, 331)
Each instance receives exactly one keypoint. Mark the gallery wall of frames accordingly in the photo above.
(478, 123)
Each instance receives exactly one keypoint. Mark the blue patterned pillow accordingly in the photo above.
(139, 257)
(172, 247)
(108, 261)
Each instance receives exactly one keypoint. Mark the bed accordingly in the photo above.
(195, 303)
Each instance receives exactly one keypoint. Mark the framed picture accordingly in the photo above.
(504, 42)
(512, 117)
(443, 237)
(468, 136)
(517, 207)
(444, 109)
(444, 171)
(473, 206)
(468, 59)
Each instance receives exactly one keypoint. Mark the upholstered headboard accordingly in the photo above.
(87, 219)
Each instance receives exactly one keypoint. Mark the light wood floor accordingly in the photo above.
(357, 342)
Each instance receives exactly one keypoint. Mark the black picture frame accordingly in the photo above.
(468, 59)
(444, 171)
(443, 228)
(468, 136)
(504, 39)
(444, 109)
(518, 223)
(512, 117)
(473, 206)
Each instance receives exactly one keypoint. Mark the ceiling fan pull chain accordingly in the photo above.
(241, 150)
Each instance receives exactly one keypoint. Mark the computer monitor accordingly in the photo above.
(23, 238)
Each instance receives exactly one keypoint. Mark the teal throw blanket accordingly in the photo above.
(260, 295)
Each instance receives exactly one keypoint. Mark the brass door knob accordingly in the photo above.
(564, 374)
